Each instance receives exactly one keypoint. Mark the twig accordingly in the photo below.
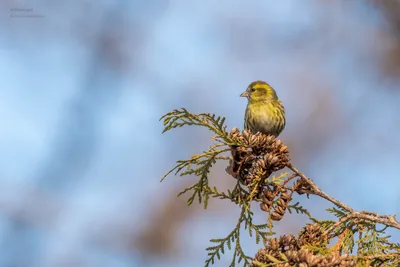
(372, 257)
(388, 220)
(318, 191)
(291, 177)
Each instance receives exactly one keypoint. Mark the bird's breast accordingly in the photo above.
(264, 118)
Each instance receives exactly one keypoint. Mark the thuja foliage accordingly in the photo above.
(353, 239)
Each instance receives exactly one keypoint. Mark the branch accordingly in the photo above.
(255, 157)
(388, 220)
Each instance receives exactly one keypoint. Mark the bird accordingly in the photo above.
(265, 113)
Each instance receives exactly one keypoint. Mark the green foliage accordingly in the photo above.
(298, 209)
(278, 180)
(261, 231)
(179, 118)
(338, 212)
(201, 164)
(373, 245)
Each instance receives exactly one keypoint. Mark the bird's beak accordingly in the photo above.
(245, 94)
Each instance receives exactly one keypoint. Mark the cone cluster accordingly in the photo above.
(291, 248)
(258, 154)
(311, 234)
(255, 158)
(302, 187)
(278, 195)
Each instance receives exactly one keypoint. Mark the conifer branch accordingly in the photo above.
(254, 159)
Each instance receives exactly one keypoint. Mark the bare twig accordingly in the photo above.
(388, 220)
(291, 177)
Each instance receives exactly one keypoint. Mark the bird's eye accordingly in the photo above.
(252, 89)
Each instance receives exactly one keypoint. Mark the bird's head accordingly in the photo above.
(260, 91)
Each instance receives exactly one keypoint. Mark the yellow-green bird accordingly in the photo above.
(265, 112)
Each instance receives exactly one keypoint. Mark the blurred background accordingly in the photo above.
(84, 83)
